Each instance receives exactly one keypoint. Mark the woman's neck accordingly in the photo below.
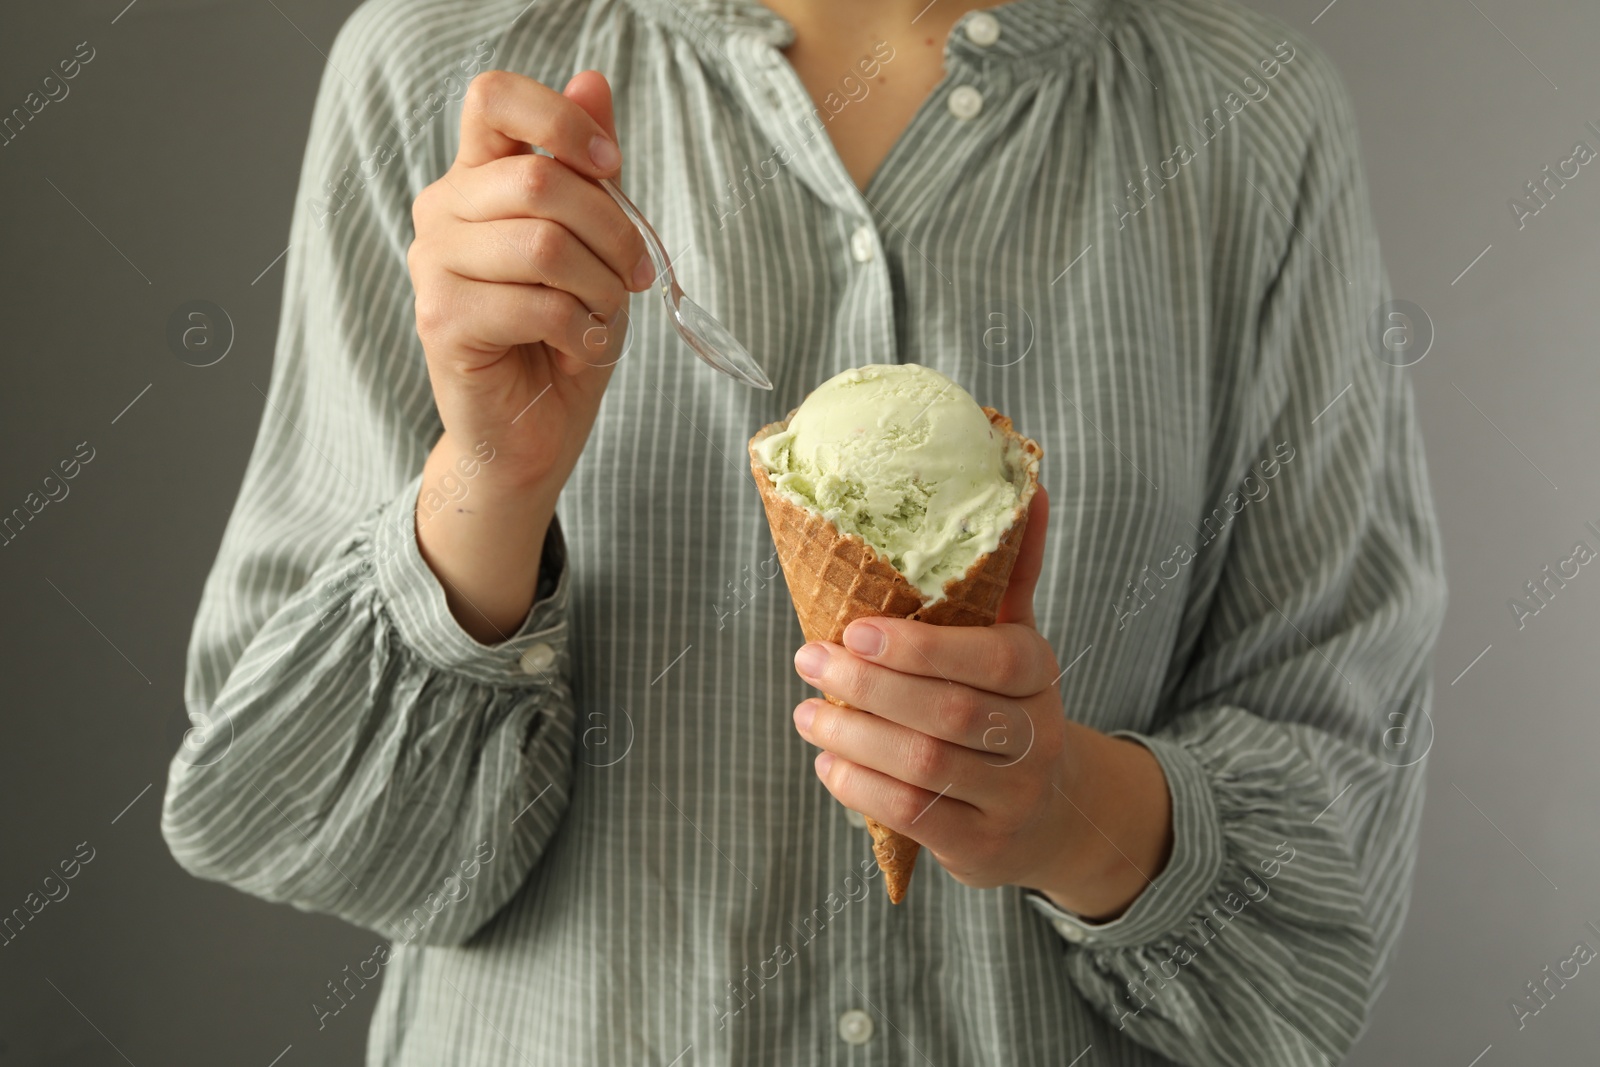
(901, 42)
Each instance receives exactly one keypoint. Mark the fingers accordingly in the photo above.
(504, 112)
(970, 811)
(534, 252)
(920, 814)
(960, 714)
(590, 91)
(1017, 604)
(1008, 658)
(516, 248)
(470, 317)
(531, 186)
(903, 754)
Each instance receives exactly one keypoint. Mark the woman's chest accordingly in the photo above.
(1106, 370)
(997, 259)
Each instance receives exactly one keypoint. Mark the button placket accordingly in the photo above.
(811, 159)
(787, 115)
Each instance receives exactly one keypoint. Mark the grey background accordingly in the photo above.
(168, 174)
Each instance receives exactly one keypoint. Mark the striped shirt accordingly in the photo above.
(1140, 228)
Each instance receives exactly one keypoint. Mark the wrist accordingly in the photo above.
(1112, 825)
(484, 470)
(482, 538)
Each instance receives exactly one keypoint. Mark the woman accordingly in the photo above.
(544, 748)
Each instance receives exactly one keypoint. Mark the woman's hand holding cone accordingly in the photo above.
(956, 737)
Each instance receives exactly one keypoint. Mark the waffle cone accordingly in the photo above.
(835, 578)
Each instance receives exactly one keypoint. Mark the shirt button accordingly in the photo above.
(536, 659)
(983, 29)
(965, 102)
(1071, 931)
(862, 244)
(855, 818)
(855, 1026)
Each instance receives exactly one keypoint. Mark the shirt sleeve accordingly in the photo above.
(1294, 717)
(354, 750)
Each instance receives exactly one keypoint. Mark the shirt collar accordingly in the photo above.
(1027, 27)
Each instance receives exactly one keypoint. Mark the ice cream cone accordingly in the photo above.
(835, 578)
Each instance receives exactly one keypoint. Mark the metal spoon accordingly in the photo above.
(710, 339)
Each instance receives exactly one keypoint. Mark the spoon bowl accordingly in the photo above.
(705, 335)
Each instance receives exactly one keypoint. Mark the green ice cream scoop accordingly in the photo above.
(905, 459)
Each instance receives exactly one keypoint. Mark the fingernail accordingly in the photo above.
(824, 761)
(604, 152)
(810, 661)
(644, 273)
(803, 715)
(865, 639)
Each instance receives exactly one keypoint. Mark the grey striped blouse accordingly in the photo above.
(1138, 227)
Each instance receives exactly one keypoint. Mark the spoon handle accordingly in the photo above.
(658, 252)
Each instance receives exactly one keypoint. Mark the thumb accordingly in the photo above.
(1017, 604)
(590, 91)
